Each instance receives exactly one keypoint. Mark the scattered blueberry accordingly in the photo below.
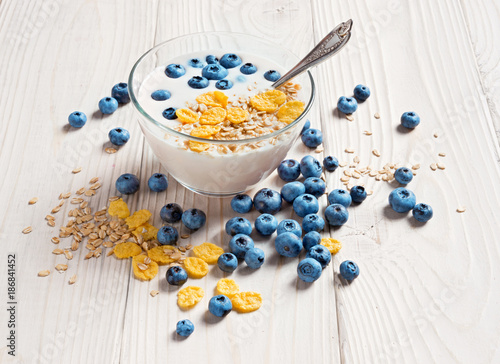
(211, 59)
(358, 194)
(127, 184)
(240, 244)
(341, 197)
(120, 93)
(289, 226)
(347, 105)
(161, 95)
(321, 254)
(184, 328)
(272, 75)
(241, 204)
(167, 235)
(108, 105)
(175, 70)
(230, 60)
(410, 119)
(238, 225)
(194, 219)
(422, 212)
(255, 258)
(311, 239)
(171, 213)
(77, 119)
(310, 167)
(176, 276)
(289, 170)
(214, 72)
(169, 113)
(349, 270)
(403, 175)
(227, 262)
(309, 270)
(312, 137)
(220, 305)
(288, 245)
(306, 126)
(330, 163)
(267, 201)
(336, 214)
(196, 63)
(361, 92)
(305, 204)
(402, 200)
(118, 136)
(266, 224)
(248, 69)
(291, 190)
(158, 182)
(223, 85)
(198, 82)
(315, 186)
(312, 222)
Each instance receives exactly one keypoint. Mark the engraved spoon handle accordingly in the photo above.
(329, 45)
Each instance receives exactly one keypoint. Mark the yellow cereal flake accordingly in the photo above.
(213, 99)
(119, 208)
(290, 111)
(332, 245)
(164, 254)
(227, 287)
(244, 302)
(198, 147)
(237, 115)
(138, 218)
(195, 267)
(268, 101)
(204, 131)
(147, 231)
(127, 250)
(213, 116)
(187, 116)
(189, 296)
(142, 270)
(208, 252)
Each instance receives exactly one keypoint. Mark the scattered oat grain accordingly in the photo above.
(154, 292)
(43, 273)
(76, 170)
(33, 201)
(433, 166)
(349, 117)
(461, 209)
(366, 132)
(110, 150)
(27, 230)
(72, 279)
(376, 153)
(377, 115)
(349, 150)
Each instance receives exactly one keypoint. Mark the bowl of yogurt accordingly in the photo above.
(207, 109)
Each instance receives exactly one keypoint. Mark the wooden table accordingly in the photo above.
(426, 293)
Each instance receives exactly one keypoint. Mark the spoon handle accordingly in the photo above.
(329, 45)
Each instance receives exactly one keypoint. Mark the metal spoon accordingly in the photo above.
(329, 45)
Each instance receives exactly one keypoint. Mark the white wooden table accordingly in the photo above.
(425, 293)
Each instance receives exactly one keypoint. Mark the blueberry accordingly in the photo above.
(266, 224)
(241, 204)
(254, 258)
(176, 276)
(403, 175)
(167, 235)
(289, 170)
(227, 262)
(422, 212)
(108, 105)
(312, 137)
(305, 204)
(161, 95)
(309, 270)
(211, 59)
(341, 197)
(230, 60)
(240, 244)
(321, 254)
(127, 184)
(223, 85)
(248, 69)
(267, 201)
(238, 225)
(120, 93)
(193, 219)
(291, 190)
(289, 226)
(410, 119)
(158, 182)
(330, 163)
(361, 92)
(214, 72)
(77, 119)
(169, 113)
(307, 125)
(347, 105)
(312, 222)
(336, 214)
(402, 200)
(175, 70)
(119, 136)
(184, 328)
(272, 75)
(349, 270)
(358, 194)
(311, 239)
(220, 305)
(288, 245)
(310, 167)
(196, 63)
(171, 213)
(315, 186)
(198, 82)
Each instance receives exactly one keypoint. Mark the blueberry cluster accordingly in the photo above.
(128, 183)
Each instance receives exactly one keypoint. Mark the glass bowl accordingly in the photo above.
(228, 167)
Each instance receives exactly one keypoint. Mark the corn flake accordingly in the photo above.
(213, 99)
(163, 254)
(119, 208)
(138, 218)
(290, 111)
(213, 116)
(208, 252)
(237, 115)
(189, 296)
(147, 274)
(244, 302)
(227, 287)
(147, 231)
(127, 250)
(268, 101)
(195, 267)
(332, 245)
(187, 116)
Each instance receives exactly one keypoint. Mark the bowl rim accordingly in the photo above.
(169, 130)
